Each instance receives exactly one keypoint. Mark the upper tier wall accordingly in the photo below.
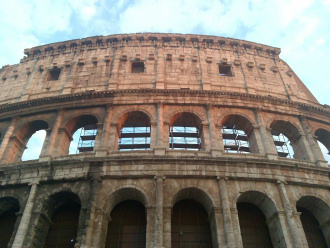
(171, 61)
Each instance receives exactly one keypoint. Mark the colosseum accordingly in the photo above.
(183, 141)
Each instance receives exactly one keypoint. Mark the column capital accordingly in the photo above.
(222, 178)
(161, 177)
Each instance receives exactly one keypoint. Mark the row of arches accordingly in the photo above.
(186, 131)
(192, 221)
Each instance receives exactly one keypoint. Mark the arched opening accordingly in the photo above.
(8, 209)
(83, 130)
(63, 210)
(315, 216)
(134, 131)
(323, 138)
(20, 140)
(314, 236)
(34, 146)
(190, 226)
(258, 221)
(254, 229)
(238, 135)
(127, 227)
(186, 132)
(288, 141)
(63, 231)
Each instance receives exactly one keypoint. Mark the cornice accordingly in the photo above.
(160, 39)
(112, 93)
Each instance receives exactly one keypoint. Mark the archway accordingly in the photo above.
(315, 216)
(8, 209)
(186, 132)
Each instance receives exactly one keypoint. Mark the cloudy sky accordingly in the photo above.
(301, 28)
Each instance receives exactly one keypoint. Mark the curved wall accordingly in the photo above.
(184, 81)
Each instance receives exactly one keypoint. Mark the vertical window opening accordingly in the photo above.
(135, 132)
(185, 138)
(54, 74)
(34, 146)
(137, 67)
(282, 144)
(235, 140)
(225, 70)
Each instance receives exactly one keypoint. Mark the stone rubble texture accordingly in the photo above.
(181, 76)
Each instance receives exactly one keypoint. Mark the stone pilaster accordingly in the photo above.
(47, 152)
(5, 140)
(289, 216)
(266, 137)
(159, 221)
(25, 220)
(226, 212)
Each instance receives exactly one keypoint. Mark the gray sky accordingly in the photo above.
(301, 28)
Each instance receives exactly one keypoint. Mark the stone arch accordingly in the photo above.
(71, 126)
(320, 209)
(128, 125)
(323, 136)
(269, 209)
(203, 198)
(294, 134)
(9, 207)
(121, 114)
(124, 200)
(21, 136)
(49, 206)
(125, 193)
(170, 116)
(196, 194)
(222, 118)
(236, 124)
(21, 201)
(186, 131)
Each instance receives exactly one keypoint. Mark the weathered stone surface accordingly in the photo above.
(180, 80)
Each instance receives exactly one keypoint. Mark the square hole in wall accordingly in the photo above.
(54, 74)
(225, 70)
(137, 67)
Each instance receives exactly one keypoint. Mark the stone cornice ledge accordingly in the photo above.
(324, 109)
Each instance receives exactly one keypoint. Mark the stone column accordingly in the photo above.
(24, 224)
(206, 137)
(150, 211)
(266, 137)
(278, 230)
(47, 152)
(153, 135)
(158, 227)
(101, 149)
(7, 136)
(300, 229)
(236, 228)
(289, 216)
(92, 213)
(113, 137)
(216, 224)
(167, 225)
(226, 212)
(215, 144)
(161, 147)
(315, 148)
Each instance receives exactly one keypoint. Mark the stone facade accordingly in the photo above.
(62, 86)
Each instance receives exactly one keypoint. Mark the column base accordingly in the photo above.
(159, 151)
(45, 158)
(216, 152)
(101, 153)
(270, 156)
